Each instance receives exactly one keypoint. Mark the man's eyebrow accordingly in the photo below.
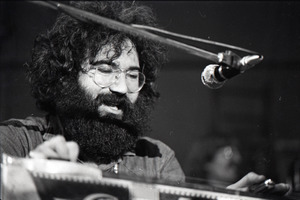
(134, 68)
(109, 62)
(99, 62)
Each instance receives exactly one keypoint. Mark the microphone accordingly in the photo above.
(214, 76)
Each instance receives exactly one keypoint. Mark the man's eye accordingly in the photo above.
(104, 68)
(133, 75)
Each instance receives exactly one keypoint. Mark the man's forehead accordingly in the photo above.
(108, 51)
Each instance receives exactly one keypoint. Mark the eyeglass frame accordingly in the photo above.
(118, 71)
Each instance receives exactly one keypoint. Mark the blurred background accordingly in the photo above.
(252, 123)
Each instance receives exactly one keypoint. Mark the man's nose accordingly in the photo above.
(120, 85)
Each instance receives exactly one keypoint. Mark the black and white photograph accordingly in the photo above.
(150, 100)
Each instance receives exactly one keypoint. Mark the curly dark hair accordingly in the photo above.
(58, 54)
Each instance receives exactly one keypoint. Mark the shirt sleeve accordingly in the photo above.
(17, 138)
(171, 169)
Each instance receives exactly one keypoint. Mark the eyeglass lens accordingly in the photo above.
(133, 78)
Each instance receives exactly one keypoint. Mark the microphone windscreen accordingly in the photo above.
(208, 77)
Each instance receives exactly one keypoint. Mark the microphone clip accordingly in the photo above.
(229, 65)
(231, 59)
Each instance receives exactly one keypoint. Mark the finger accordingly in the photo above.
(73, 150)
(281, 189)
(44, 151)
(54, 148)
(59, 145)
(37, 155)
(250, 179)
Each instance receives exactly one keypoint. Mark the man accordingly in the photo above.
(97, 86)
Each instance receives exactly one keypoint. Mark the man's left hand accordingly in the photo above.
(253, 178)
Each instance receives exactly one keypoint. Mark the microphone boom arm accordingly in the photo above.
(138, 30)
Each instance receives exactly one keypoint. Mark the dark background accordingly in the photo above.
(258, 110)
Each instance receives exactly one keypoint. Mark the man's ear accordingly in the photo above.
(86, 68)
(85, 65)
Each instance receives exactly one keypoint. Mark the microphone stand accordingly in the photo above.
(228, 58)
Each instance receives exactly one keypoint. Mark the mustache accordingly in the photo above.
(119, 101)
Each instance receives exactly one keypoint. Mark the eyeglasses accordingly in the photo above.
(105, 76)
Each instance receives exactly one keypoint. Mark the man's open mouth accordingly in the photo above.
(106, 110)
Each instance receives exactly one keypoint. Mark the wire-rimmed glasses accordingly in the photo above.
(106, 75)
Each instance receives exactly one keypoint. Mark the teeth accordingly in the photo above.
(104, 109)
(114, 108)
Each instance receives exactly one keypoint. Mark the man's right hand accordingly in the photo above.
(56, 148)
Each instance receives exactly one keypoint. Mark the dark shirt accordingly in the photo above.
(150, 158)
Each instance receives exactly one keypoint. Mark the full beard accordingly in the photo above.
(102, 139)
